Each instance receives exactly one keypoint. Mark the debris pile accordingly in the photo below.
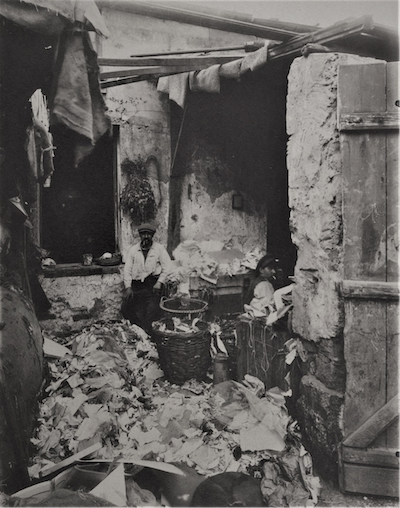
(108, 388)
(178, 325)
(209, 261)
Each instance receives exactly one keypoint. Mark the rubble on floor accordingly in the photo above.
(107, 388)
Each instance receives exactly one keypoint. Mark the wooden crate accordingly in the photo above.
(224, 297)
(228, 337)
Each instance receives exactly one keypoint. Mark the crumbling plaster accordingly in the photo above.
(77, 301)
(203, 216)
(315, 193)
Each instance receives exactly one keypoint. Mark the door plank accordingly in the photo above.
(364, 173)
(362, 88)
(369, 121)
(392, 176)
(379, 421)
(365, 355)
(384, 457)
(364, 206)
(392, 269)
(376, 481)
(392, 366)
(371, 273)
(370, 289)
(370, 80)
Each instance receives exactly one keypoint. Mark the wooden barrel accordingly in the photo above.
(21, 364)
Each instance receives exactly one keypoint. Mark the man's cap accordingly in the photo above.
(146, 227)
(269, 260)
(266, 260)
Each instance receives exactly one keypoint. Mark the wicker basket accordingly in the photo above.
(183, 356)
(183, 307)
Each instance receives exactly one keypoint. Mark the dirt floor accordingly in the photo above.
(332, 497)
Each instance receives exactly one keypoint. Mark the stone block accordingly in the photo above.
(330, 364)
(79, 301)
(319, 413)
(314, 163)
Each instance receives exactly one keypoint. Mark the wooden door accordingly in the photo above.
(368, 120)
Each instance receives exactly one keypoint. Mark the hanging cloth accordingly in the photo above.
(208, 80)
(77, 102)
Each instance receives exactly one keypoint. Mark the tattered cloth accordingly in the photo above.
(208, 80)
(78, 103)
(50, 17)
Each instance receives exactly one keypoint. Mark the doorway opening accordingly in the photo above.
(234, 143)
(79, 208)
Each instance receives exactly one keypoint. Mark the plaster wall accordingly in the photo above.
(233, 143)
(314, 164)
(205, 218)
(142, 113)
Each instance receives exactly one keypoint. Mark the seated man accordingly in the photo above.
(146, 266)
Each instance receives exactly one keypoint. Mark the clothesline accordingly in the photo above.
(208, 80)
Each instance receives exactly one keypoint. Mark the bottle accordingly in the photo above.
(220, 369)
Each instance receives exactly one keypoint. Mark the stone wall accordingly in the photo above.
(78, 301)
(315, 199)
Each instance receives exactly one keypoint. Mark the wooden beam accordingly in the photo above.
(370, 289)
(130, 79)
(378, 422)
(325, 36)
(369, 121)
(384, 457)
(247, 47)
(148, 71)
(136, 71)
(77, 269)
(74, 458)
(190, 60)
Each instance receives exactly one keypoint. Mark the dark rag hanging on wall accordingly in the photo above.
(77, 102)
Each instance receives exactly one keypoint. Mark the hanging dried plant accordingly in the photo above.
(137, 198)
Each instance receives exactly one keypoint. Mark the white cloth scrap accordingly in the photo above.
(255, 60)
(206, 80)
(176, 86)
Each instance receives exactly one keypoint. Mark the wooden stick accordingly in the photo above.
(190, 60)
(70, 460)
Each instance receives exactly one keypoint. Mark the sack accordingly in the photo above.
(229, 489)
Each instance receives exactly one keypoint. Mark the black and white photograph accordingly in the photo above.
(199, 253)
